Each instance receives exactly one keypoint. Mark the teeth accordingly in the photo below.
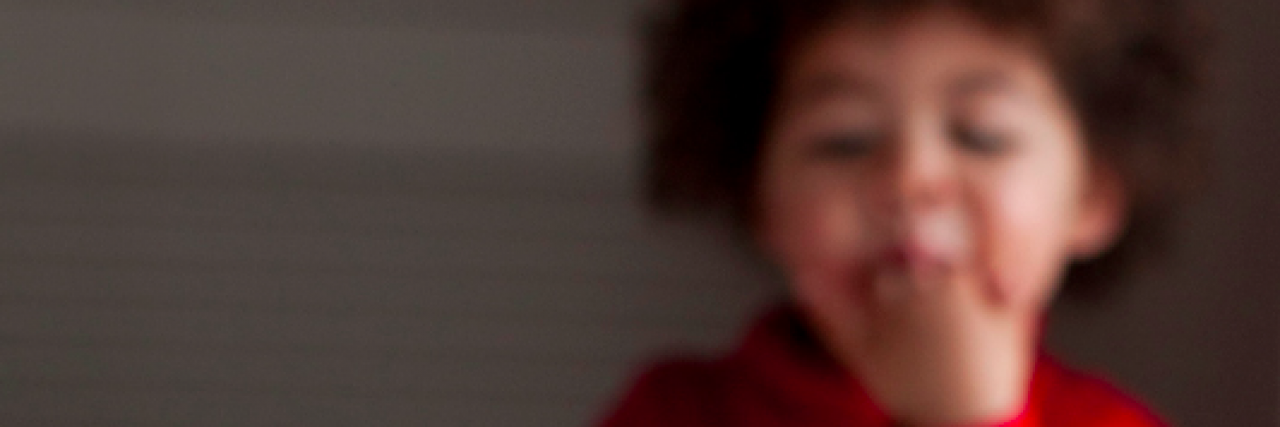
(948, 234)
(945, 238)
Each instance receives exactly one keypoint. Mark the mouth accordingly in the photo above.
(903, 272)
(919, 260)
(911, 256)
(938, 240)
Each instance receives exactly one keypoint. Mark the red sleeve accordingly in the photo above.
(1063, 397)
(690, 393)
(1083, 400)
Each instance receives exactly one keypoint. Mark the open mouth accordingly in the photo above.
(923, 256)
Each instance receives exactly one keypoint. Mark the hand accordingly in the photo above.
(935, 348)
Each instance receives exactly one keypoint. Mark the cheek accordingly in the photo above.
(1026, 218)
(813, 236)
(812, 231)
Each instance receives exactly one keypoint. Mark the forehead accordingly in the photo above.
(925, 50)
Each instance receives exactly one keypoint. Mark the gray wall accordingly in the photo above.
(405, 213)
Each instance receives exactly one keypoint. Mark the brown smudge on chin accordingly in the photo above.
(997, 290)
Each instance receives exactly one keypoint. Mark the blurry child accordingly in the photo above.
(925, 175)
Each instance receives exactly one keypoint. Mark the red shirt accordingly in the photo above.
(777, 377)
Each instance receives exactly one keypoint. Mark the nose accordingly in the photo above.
(920, 209)
(921, 174)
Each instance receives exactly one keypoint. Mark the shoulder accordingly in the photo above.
(671, 392)
(1078, 398)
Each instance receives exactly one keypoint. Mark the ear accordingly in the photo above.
(1103, 214)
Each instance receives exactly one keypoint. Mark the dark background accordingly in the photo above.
(393, 212)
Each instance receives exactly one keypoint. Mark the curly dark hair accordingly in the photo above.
(1129, 69)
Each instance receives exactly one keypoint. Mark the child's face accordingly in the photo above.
(924, 183)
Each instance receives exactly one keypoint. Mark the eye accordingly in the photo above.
(846, 145)
(980, 141)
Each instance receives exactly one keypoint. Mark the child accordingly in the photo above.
(924, 174)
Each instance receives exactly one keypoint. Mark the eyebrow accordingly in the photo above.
(978, 82)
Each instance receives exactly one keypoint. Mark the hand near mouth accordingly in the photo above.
(937, 349)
